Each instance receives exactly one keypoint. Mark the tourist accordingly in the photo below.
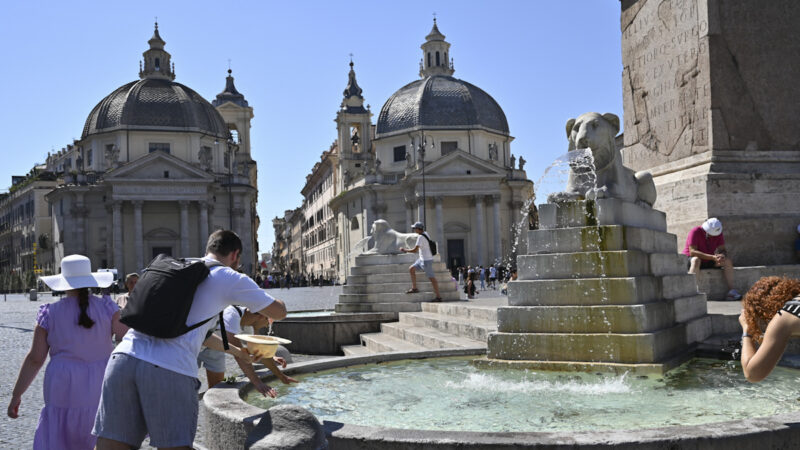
(213, 360)
(469, 288)
(493, 276)
(76, 332)
(768, 296)
(130, 282)
(424, 262)
(705, 247)
(460, 272)
(482, 277)
(151, 384)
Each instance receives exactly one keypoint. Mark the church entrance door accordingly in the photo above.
(455, 253)
(159, 250)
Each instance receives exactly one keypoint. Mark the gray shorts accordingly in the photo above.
(140, 398)
(213, 360)
(427, 266)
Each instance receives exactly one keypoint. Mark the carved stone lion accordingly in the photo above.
(611, 179)
(386, 241)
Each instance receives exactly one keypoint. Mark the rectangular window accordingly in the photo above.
(89, 158)
(448, 147)
(400, 153)
(158, 146)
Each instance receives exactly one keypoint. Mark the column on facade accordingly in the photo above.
(116, 227)
(138, 233)
(368, 213)
(203, 226)
(421, 209)
(109, 236)
(439, 223)
(409, 216)
(497, 232)
(184, 207)
(480, 236)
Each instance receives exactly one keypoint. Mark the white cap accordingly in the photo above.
(713, 226)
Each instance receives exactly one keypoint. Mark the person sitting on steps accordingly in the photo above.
(705, 247)
(424, 262)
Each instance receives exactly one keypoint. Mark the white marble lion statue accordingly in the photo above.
(596, 132)
(386, 241)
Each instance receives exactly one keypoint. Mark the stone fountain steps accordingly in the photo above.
(622, 263)
(619, 291)
(393, 297)
(436, 326)
(601, 238)
(438, 267)
(606, 211)
(622, 348)
(376, 307)
(401, 277)
(395, 287)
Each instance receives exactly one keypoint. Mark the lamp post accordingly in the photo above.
(423, 143)
(232, 147)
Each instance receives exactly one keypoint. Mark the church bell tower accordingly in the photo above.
(353, 122)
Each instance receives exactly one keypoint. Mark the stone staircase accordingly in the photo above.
(377, 283)
(436, 326)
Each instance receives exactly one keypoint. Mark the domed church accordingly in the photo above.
(157, 169)
(440, 153)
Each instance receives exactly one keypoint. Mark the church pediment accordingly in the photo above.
(158, 166)
(459, 163)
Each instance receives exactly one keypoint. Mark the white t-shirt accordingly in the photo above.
(224, 286)
(232, 319)
(424, 248)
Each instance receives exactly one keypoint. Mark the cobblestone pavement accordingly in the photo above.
(17, 320)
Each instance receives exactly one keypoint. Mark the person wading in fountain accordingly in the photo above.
(764, 305)
(424, 262)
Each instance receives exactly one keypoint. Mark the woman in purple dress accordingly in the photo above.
(76, 332)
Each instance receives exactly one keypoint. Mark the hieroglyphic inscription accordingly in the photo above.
(666, 90)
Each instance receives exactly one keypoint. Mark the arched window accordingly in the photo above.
(445, 58)
(158, 64)
(354, 223)
(437, 59)
(429, 59)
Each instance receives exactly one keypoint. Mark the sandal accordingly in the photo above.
(437, 299)
(412, 291)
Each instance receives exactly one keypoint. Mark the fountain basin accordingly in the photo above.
(330, 330)
(231, 418)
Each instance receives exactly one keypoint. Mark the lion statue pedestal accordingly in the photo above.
(379, 278)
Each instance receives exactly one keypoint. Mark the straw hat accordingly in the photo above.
(76, 273)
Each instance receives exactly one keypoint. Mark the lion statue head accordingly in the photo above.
(597, 132)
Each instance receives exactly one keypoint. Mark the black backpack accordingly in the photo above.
(159, 304)
(431, 244)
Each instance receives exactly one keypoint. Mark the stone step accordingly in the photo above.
(401, 277)
(479, 313)
(699, 329)
(355, 350)
(477, 330)
(690, 308)
(605, 238)
(615, 291)
(429, 338)
(712, 281)
(379, 260)
(395, 287)
(607, 211)
(589, 347)
(585, 319)
(382, 342)
(392, 268)
(376, 307)
(389, 297)
(624, 263)
(677, 286)
(663, 264)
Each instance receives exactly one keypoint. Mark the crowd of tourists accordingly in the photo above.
(116, 377)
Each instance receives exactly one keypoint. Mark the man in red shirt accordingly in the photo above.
(705, 247)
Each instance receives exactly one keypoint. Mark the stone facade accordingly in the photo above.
(318, 222)
(709, 98)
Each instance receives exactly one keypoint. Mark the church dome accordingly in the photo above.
(155, 104)
(440, 102)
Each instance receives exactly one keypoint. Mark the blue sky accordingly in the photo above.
(543, 61)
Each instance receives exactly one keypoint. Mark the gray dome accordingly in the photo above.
(155, 104)
(440, 102)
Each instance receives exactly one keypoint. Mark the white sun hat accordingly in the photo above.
(713, 226)
(76, 273)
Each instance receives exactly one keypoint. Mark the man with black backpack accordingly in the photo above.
(150, 384)
(426, 249)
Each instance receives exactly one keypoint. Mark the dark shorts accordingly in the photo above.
(704, 264)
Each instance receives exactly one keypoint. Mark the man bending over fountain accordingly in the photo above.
(424, 262)
(705, 247)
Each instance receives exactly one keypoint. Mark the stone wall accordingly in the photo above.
(709, 94)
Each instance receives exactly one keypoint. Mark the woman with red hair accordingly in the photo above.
(772, 303)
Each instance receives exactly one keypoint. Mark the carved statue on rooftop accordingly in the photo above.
(112, 157)
(493, 152)
(205, 157)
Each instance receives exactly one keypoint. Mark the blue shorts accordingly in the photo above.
(140, 398)
(213, 360)
(427, 266)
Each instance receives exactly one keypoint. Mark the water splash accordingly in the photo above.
(531, 385)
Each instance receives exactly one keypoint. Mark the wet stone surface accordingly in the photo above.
(17, 320)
